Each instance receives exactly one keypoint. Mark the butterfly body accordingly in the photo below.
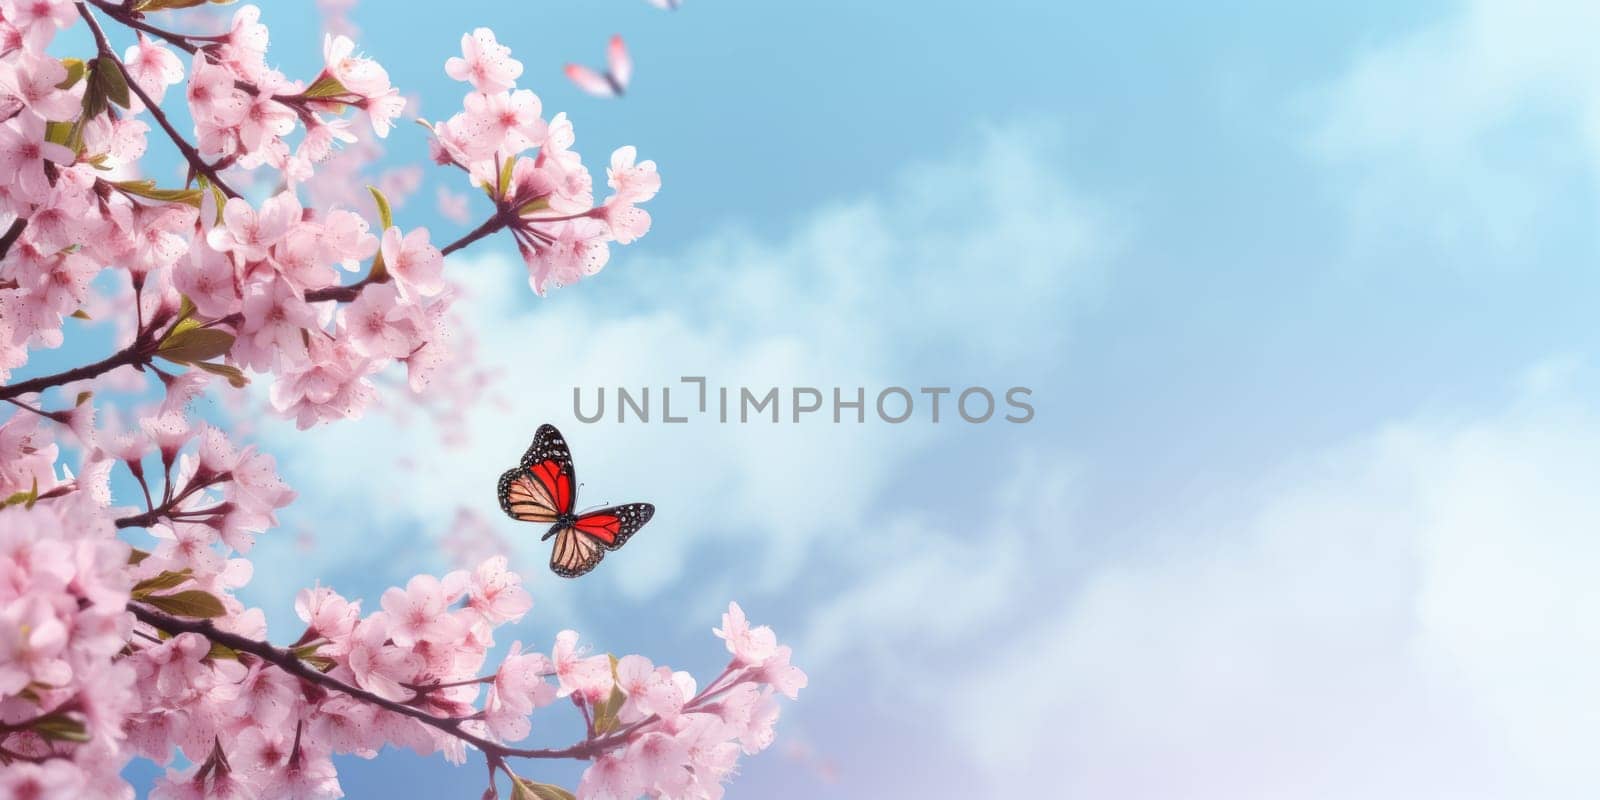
(563, 521)
(544, 488)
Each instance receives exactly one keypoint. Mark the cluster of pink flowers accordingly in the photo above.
(64, 693)
(684, 743)
(85, 686)
(547, 199)
(110, 651)
(264, 273)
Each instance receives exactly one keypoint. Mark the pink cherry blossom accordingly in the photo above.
(24, 152)
(484, 62)
(590, 676)
(34, 81)
(418, 612)
(416, 265)
(381, 325)
(362, 76)
(38, 20)
(153, 66)
(749, 646)
(32, 641)
(248, 233)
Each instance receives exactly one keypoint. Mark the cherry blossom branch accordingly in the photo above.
(349, 292)
(168, 509)
(132, 356)
(495, 223)
(292, 664)
(128, 18)
(190, 154)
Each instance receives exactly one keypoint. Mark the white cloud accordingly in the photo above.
(962, 273)
(1411, 616)
(1463, 126)
(934, 583)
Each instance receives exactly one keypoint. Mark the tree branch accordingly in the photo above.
(190, 154)
(349, 292)
(494, 223)
(133, 355)
(12, 234)
(178, 40)
(288, 662)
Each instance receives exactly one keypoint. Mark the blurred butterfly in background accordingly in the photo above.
(544, 488)
(614, 81)
(666, 5)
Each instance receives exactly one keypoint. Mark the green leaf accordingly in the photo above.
(25, 498)
(217, 194)
(222, 652)
(83, 397)
(162, 582)
(94, 95)
(80, 314)
(308, 654)
(235, 377)
(385, 214)
(380, 270)
(163, 5)
(505, 175)
(136, 555)
(605, 713)
(536, 204)
(75, 70)
(60, 727)
(524, 789)
(183, 325)
(59, 132)
(192, 603)
(191, 345)
(147, 188)
(110, 77)
(325, 87)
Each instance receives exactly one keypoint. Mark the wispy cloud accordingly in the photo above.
(1410, 615)
(1463, 126)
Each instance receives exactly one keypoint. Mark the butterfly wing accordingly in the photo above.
(580, 546)
(590, 81)
(613, 527)
(619, 62)
(574, 553)
(545, 485)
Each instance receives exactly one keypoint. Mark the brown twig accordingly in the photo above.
(121, 15)
(12, 234)
(133, 355)
(190, 154)
(349, 292)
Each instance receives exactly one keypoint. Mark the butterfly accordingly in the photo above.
(544, 488)
(614, 81)
(666, 5)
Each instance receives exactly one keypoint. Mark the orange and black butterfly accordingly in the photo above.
(544, 488)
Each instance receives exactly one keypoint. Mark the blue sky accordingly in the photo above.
(1305, 295)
